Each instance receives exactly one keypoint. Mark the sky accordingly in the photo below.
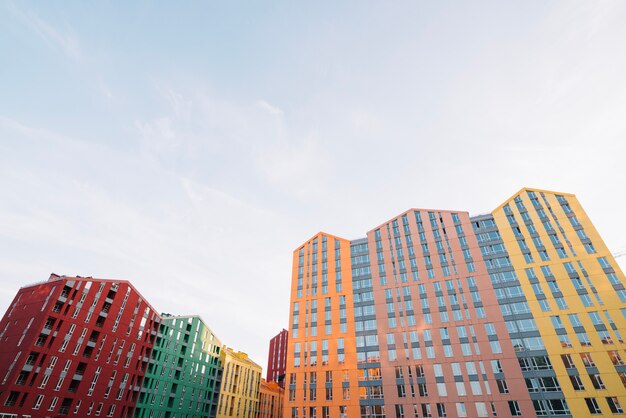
(191, 147)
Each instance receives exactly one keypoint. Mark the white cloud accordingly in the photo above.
(271, 109)
(207, 189)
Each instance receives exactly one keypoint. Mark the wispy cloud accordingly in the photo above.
(118, 226)
(67, 43)
(224, 157)
(271, 109)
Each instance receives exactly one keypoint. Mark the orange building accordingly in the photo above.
(322, 373)
(270, 400)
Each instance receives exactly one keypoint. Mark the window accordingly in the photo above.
(502, 386)
(604, 263)
(614, 405)
(556, 322)
(461, 331)
(567, 361)
(38, 402)
(616, 358)
(565, 341)
(441, 410)
(470, 367)
(575, 320)
(595, 317)
(460, 389)
(587, 360)
(593, 406)
(12, 399)
(481, 409)
(53, 404)
(583, 338)
(399, 411)
(596, 381)
(466, 349)
(560, 302)
(577, 382)
(605, 337)
(586, 300)
(515, 409)
(496, 366)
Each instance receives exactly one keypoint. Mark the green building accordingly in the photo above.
(184, 374)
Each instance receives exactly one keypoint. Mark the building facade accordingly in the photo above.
(322, 375)
(438, 314)
(239, 392)
(184, 374)
(270, 400)
(559, 286)
(75, 346)
(277, 357)
(81, 346)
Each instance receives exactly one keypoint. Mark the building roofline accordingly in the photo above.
(418, 210)
(317, 235)
(525, 189)
(60, 278)
(240, 356)
(165, 316)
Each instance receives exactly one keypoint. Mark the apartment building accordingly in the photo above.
(184, 374)
(277, 358)
(80, 346)
(438, 314)
(270, 400)
(75, 346)
(239, 394)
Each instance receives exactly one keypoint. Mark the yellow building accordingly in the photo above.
(575, 292)
(239, 394)
(270, 400)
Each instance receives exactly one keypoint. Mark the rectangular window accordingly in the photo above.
(515, 409)
(593, 406)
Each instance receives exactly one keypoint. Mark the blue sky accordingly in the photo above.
(191, 147)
